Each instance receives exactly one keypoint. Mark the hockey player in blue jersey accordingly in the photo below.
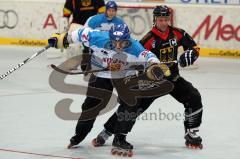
(102, 22)
(105, 20)
(116, 51)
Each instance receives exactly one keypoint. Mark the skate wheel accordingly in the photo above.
(94, 142)
(130, 154)
(114, 152)
(119, 153)
(191, 146)
(125, 154)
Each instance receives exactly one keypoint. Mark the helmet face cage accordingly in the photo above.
(111, 4)
(160, 11)
(120, 33)
(123, 43)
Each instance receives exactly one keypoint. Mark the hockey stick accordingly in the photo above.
(82, 72)
(24, 62)
(94, 71)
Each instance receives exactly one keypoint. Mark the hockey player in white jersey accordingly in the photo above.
(101, 22)
(116, 51)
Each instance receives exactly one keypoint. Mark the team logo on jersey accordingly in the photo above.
(86, 3)
(114, 64)
(173, 42)
(167, 55)
(114, 67)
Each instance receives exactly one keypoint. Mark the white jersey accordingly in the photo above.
(104, 56)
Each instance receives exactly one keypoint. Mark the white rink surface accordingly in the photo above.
(28, 122)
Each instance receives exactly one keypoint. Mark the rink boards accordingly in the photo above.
(216, 28)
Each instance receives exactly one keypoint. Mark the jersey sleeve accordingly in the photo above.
(82, 36)
(142, 54)
(188, 43)
(147, 41)
(90, 23)
(100, 6)
(68, 8)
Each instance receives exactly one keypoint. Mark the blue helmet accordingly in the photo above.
(111, 4)
(119, 32)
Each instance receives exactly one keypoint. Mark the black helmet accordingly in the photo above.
(162, 11)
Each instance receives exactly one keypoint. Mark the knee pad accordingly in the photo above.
(194, 101)
(193, 117)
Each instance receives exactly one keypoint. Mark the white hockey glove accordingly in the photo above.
(157, 71)
(58, 41)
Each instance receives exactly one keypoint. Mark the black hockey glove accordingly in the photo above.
(188, 58)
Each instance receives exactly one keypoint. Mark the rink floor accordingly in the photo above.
(30, 128)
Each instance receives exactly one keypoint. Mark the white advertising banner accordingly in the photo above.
(212, 26)
(217, 27)
(211, 2)
(29, 19)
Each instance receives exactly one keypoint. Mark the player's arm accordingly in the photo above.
(147, 41)
(91, 22)
(155, 70)
(63, 40)
(101, 6)
(68, 9)
(191, 50)
(155, 64)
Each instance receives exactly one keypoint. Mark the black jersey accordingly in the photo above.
(165, 45)
(83, 9)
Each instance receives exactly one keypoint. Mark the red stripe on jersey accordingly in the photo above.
(148, 44)
(178, 35)
(162, 35)
(66, 15)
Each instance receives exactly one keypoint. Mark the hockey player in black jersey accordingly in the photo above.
(163, 40)
(82, 10)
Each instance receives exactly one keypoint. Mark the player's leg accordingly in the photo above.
(73, 52)
(185, 93)
(86, 59)
(123, 126)
(120, 123)
(91, 107)
(126, 118)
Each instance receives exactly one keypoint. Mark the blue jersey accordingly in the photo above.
(101, 22)
(104, 56)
